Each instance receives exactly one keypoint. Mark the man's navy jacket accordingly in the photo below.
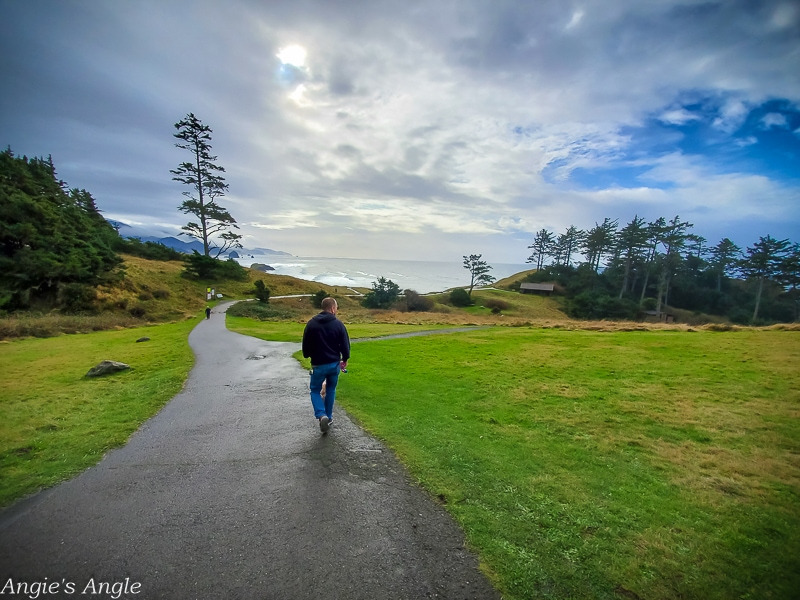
(325, 340)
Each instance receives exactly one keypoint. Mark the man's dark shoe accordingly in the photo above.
(324, 423)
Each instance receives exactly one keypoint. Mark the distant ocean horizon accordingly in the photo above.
(421, 276)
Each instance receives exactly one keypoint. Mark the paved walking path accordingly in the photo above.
(230, 492)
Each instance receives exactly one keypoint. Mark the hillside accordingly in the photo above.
(155, 291)
(147, 292)
(162, 293)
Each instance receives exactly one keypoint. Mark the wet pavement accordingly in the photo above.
(232, 492)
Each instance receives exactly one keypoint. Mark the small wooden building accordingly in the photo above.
(536, 288)
(661, 316)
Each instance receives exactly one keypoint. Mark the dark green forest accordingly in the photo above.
(651, 268)
(55, 243)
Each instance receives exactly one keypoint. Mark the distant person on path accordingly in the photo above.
(326, 343)
(208, 312)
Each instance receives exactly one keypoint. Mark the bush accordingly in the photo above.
(384, 293)
(148, 250)
(262, 292)
(137, 311)
(199, 266)
(317, 298)
(591, 305)
(417, 303)
(741, 317)
(459, 297)
(161, 294)
(496, 305)
(77, 297)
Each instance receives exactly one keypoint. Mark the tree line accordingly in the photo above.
(611, 271)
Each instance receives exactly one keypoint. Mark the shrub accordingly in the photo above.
(459, 297)
(148, 250)
(76, 297)
(741, 317)
(161, 294)
(262, 292)
(145, 296)
(384, 293)
(137, 311)
(317, 298)
(496, 305)
(417, 303)
(199, 266)
(589, 305)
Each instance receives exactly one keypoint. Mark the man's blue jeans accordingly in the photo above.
(330, 374)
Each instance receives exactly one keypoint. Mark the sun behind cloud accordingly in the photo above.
(293, 55)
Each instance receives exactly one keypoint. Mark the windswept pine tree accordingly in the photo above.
(478, 270)
(206, 183)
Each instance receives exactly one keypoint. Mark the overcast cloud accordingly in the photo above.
(421, 130)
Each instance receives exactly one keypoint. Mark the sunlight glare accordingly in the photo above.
(293, 55)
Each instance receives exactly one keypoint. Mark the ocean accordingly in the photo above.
(422, 276)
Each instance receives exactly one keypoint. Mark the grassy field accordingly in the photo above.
(587, 464)
(56, 422)
(281, 331)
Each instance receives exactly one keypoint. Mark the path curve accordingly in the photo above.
(230, 492)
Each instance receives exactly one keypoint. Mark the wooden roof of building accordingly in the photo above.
(539, 287)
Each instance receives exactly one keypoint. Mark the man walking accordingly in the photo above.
(326, 343)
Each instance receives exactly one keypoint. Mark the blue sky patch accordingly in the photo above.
(765, 141)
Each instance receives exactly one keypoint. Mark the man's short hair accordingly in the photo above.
(328, 304)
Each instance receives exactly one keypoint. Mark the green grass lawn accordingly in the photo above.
(282, 331)
(602, 465)
(55, 422)
(581, 464)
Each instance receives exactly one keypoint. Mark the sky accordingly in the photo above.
(413, 129)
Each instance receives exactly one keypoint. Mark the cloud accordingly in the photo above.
(776, 120)
(679, 116)
(291, 219)
(438, 122)
(732, 115)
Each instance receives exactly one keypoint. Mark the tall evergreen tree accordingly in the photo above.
(567, 244)
(542, 247)
(674, 240)
(632, 243)
(600, 240)
(763, 261)
(725, 256)
(655, 232)
(203, 176)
